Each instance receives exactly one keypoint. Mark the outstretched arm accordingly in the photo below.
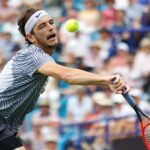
(81, 77)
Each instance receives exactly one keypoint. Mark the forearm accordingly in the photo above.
(80, 77)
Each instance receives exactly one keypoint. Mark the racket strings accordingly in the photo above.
(147, 133)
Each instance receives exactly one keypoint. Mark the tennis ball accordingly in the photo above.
(72, 25)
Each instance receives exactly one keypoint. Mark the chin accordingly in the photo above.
(52, 46)
(54, 43)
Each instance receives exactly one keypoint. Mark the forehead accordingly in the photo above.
(44, 19)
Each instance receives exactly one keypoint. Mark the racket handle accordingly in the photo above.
(129, 99)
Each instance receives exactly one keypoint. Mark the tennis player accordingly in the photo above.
(24, 76)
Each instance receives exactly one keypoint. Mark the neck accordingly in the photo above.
(48, 49)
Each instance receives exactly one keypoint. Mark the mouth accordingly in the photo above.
(51, 37)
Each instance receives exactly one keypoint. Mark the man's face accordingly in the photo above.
(45, 33)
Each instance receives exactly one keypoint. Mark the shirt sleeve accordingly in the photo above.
(35, 60)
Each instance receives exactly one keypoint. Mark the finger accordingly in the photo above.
(120, 85)
(117, 91)
(116, 79)
(126, 89)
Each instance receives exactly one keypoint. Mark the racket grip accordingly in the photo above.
(129, 99)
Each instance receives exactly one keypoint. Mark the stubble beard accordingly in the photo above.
(47, 47)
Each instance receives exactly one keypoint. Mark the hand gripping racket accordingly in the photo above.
(143, 118)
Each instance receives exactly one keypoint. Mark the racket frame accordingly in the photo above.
(139, 113)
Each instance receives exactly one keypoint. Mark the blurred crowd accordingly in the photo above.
(113, 38)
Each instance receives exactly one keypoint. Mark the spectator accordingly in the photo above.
(121, 4)
(108, 15)
(134, 11)
(146, 86)
(95, 114)
(67, 10)
(45, 119)
(145, 21)
(122, 125)
(105, 43)
(27, 144)
(78, 4)
(106, 106)
(7, 12)
(92, 20)
(93, 60)
(143, 2)
(52, 94)
(64, 35)
(120, 23)
(142, 58)
(79, 105)
(8, 45)
(97, 129)
(35, 3)
(118, 102)
(77, 47)
(142, 103)
(2, 60)
(11, 27)
(50, 142)
(119, 63)
(35, 136)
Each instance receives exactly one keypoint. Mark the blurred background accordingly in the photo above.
(113, 38)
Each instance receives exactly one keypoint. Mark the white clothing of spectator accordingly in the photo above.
(12, 28)
(89, 17)
(15, 3)
(52, 94)
(79, 45)
(142, 58)
(137, 95)
(79, 105)
(35, 136)
(93, 59)
(134, 11)
(121, 4)
(118, 102)
(8, 13)
(49, 122)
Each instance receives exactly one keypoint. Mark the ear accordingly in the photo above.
(30, 37)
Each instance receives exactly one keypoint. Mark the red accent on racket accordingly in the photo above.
(143, 118)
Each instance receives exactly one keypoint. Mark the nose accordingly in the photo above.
(50, 27)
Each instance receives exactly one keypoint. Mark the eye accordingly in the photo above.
(42, 26)
(51, 22)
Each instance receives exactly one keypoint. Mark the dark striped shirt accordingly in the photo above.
(20, 84)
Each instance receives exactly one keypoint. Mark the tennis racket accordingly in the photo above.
(143, 118)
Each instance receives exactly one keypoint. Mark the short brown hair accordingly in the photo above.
(23, 19)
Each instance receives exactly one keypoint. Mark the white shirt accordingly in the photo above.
(79, 47)
(79, 109)
(141, 63)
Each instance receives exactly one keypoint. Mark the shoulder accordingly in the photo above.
(31, 51)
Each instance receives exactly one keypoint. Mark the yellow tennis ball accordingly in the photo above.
(72, 25)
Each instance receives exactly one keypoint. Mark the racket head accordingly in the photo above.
(145, 126)
(145, 129)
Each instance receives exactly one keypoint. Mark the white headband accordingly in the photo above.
(33, 20)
